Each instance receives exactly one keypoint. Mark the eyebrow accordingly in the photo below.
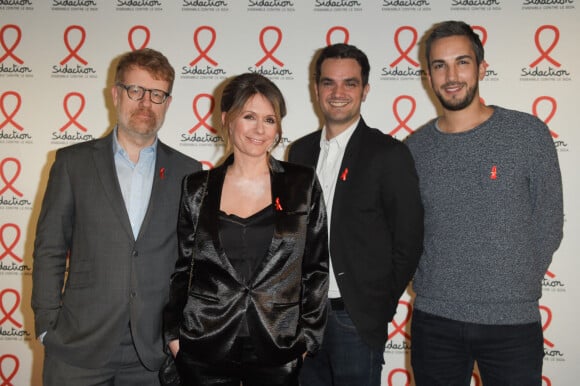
(324, 79)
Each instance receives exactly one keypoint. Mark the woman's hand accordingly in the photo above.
(174, 347)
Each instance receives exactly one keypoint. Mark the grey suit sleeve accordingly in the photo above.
(51, 245)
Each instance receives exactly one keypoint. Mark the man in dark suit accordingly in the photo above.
(375, 220)
(109, 217)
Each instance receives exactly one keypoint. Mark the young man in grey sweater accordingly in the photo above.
(492, 192)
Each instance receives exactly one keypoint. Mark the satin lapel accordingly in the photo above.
(349, 164)
(209, 216)
(279, 190)
(106, 171)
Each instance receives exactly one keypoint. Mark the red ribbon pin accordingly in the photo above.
(344, 174)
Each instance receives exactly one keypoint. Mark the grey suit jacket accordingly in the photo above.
(113, 279)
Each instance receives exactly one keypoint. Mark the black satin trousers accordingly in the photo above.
(240, 367)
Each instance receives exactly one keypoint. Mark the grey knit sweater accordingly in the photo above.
(493, 218)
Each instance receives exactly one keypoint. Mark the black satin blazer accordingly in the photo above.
(285, 301)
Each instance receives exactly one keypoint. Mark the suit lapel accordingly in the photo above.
(105, 166)
(348, 165)
(158, 190)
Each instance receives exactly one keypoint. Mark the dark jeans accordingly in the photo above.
(344, 359)
(443, 352)
(240, 367)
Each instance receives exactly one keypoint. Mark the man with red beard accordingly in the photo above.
(492, 192)
(106, 243)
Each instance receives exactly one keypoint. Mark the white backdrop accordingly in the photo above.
(56, 59)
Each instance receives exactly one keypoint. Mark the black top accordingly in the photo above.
(246, 240)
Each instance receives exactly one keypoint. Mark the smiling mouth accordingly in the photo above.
(452, 88)
(338, 103)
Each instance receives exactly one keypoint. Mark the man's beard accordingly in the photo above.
(456, 105)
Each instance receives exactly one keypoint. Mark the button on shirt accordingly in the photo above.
(136, 180)
(328, 169)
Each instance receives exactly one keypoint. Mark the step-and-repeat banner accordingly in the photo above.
(57, 62)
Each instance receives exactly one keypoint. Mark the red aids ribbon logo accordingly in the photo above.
(73, 117)
(277, 204)
(475, 380)
(546, 324)
(9, 249)
(73, 51)
(399, 328)
(9, 51)
(9, 181)
(554, 107)
(405, 53)
(550, 274)
(344, 174)
(15, 304)
(333, 30)
(493, 173)
(546, 381)
(162, 173)
(545, 54)
(10, 115)
(482, 33)
(131, 37)
(269, 53)
(202, 120)
(405, 378)
(203, 51)
(6, 379)
(403, 121)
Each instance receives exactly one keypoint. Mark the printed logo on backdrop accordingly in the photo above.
(9, 365)
(12, 65)
(73, 64)
(138, 33)
(543, 5)
(75, 5)
(403, 65)
(139, 5)
(404, 107)
(544, 64)
(545, 107)
(338, 5)
(399, 339)
(205, 5)
(11, 131)
(271, 6)
(10, 261)
(490, 74)
(11, 195)
(11, 327)
(72, 129)
(551, 351)
(16, 5)
(475, 5)
(406, 5)
(399, 377)
(202, 133)
(546, 381)
(551, 283)
(203, 64)
(270, 64)
(337, 30)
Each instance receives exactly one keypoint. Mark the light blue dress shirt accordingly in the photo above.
(136, 180)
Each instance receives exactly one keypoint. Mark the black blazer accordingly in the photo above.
(376, 233)
(284, 302)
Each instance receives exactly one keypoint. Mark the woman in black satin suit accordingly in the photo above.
(248, 296)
